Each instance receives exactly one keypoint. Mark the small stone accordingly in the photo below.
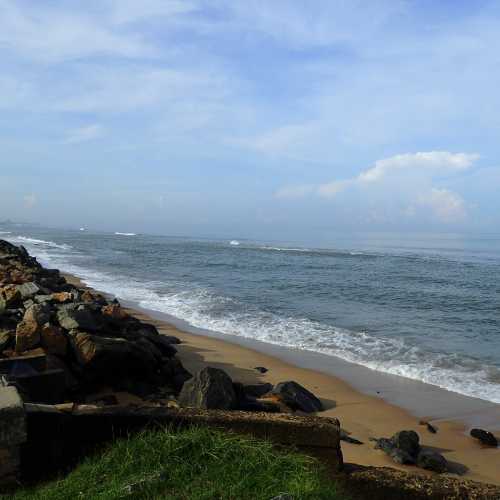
(261, 369)
(431, 460)
(486, 437)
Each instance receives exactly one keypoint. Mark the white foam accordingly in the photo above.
(24, 240)
(234, 243)
(125, 234)
(5, 232)
(202, 309)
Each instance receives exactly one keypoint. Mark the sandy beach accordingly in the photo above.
(363, 415)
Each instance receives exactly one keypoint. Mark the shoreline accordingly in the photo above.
(363, 414)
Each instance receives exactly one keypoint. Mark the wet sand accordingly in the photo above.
(363, 413)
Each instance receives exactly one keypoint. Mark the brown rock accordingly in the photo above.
(114, 311)
(93, 297)
(62, 297)
(53, 339)
(10, 296)
(28, 330)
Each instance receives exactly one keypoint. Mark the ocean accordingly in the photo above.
(425, 307)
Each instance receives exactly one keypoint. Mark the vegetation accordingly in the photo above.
(196, 463)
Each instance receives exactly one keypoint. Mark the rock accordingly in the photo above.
(345, 436)
(114, 311)
(401, 457)
(297, 397)
(28, 330)
(174, 373)
(5, 340)
(485, 437)
(93, 298)
(163, 345)
(9, 297)
(407, 441)
(429, 426)
(111, 359)
(261, 369)
(53, 339)
(257, 390)
(81, 318)
(384, 444)
(28, 290)
(210, 389)
(43, 299)
(170, 339)
(430, 460)
(62, 297)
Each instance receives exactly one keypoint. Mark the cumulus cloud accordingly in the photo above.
(85, 134)
(427, 164)
(445, 205)
(403, 184)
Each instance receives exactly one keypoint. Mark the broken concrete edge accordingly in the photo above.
(13, 434)
(380, 483)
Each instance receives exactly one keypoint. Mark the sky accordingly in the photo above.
(283, 119)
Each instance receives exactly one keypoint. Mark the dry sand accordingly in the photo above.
(363, 415)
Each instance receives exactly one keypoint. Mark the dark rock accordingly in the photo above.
(384, 444)
(430, 460)
(174, 373)
(171, 339)
(407, 441)
(429, 426)
(257, 390)
(297, 397)
(53, 339)
(163, 345)
(261, 369)
(210, 389)
(345, 436)
(81, 318)
(401, 457)
(485, 437)
(110, 359)
(6, 340)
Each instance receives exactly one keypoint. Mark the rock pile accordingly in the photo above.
(58, 341)
(404, 448)
(62, 343)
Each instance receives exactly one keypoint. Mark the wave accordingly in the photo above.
(202, 309)
(286, 249)
(125, 234)
(234, 243)
(24, 240)
(5, 232)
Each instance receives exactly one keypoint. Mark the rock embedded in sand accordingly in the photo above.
(431, 460)
(297, 397)
(407, 441)
(210, 389)
(486, 437)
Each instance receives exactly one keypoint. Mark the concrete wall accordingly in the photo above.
(12, 435)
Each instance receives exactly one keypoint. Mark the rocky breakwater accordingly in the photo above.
(62, 343)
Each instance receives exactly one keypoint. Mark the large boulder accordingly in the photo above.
(297, 397)
(486, 437)
(210, 389)
(28, 290)
(28, 330)
(53, 339)
(110, 359)
(83, 317)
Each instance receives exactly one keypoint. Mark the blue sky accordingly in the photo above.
(283, 119)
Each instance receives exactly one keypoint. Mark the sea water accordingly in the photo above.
(425, 307)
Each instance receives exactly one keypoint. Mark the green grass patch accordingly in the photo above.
(196, 463)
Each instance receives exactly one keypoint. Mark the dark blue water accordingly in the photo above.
(425, 307)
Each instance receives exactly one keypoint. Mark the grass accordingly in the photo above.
(196, 463)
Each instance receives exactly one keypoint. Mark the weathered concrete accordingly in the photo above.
(12, 434)
(72, 432)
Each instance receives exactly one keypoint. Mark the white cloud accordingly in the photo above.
(54, 35)
(439, 161)
(445, 205)
(424, 164)
(85, 134)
